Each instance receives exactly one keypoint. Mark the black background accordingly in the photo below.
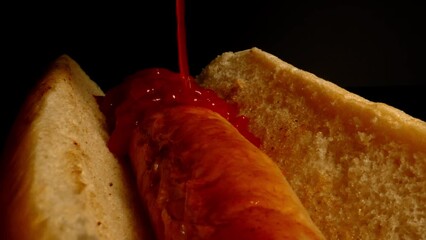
(374, 49)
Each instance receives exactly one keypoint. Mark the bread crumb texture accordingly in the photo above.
(357, 166)
(67, 184)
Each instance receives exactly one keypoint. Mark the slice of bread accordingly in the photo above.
(61, 180)
(358, 167)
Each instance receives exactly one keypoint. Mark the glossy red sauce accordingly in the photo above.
(181, 38)
(151, 90)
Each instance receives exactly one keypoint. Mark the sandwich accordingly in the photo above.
(313, 161)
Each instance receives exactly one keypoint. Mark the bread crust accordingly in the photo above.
(359, 167)
(60, 180)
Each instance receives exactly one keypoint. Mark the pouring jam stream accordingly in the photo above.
(151, 90)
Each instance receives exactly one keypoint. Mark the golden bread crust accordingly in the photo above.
(62, 182)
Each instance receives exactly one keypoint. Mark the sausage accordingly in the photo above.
(201, 179)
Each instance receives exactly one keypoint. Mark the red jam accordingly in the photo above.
(151, 90)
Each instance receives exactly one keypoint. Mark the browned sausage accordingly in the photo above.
(201, 179)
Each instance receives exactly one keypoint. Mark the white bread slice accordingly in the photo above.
(61, 180)
(358, 167)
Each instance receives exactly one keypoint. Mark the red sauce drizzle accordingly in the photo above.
(181, 38)
(151, 90)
